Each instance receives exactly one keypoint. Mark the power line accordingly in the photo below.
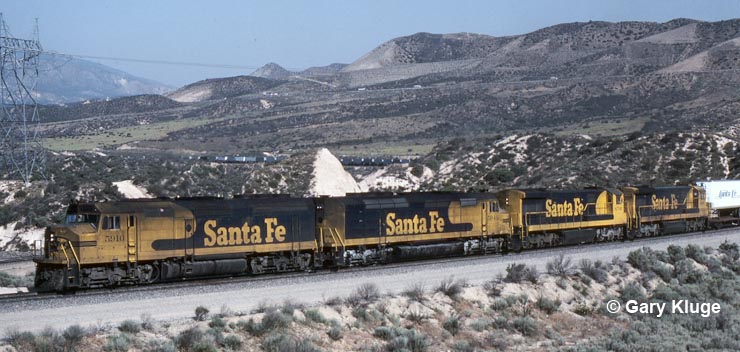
(158, 62)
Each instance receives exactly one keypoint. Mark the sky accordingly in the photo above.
(297, 34)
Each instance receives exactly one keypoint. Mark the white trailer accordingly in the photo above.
(724, 199)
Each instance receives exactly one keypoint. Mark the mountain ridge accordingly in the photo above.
(67, 80)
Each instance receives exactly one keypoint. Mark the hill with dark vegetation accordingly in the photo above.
(577, 104)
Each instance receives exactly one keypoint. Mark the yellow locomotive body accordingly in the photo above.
(549, 217)
(371, 228)
(670, 209)
(144, 241)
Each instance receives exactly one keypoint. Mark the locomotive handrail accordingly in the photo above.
(336, 236)
(336, 239)
(66, 257)
(74, 253)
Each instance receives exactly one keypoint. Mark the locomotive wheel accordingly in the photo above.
(154, 276)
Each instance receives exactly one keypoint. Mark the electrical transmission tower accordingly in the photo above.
(22, 153)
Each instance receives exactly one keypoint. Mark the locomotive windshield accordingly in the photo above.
(91, 219)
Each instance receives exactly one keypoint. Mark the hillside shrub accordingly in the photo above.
(277, 342)
(48, 339)
(201, 313)
(160, 345)
(547, 305)
(8, 280)
(129, 326)
(187, 338)
(452, 324)
(525, 325)
(233, 342)
(335, 332)
(250, 326)
(595, 272)
(559, 266)
(450, 287)
(481, 324)
(147, 323)
(274, 319)
(676, 254)
(315, 316)
(20, 340)
(73, 335)
(118, 343)
(217, 322)
(462, 346)
(632, 291)
(583, 310)
(697, 254)
(416, 316)
(364, 295)
(518, 272)
(415, 292)
(410, 340)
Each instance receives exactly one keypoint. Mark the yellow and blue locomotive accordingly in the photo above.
(152, 240)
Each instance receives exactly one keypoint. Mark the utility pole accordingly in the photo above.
(22, 153)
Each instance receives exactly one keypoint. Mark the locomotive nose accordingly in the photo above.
(57, 232)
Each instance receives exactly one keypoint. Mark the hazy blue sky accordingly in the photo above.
(298, 34)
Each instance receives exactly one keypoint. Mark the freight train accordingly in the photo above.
(144, 241)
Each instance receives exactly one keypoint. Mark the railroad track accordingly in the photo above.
(524, 256)
(7, 258)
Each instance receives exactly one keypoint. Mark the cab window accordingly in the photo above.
(495, 207)
(111, 222)
(82, 219)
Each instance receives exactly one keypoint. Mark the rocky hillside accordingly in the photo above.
(561, 307)
(569, 50)
(275, 71)
(66, 80)
(221, 88)
(412, 92)
(570, 105)
(427, 47)
(24, 211)
(106, 107)
(271, 71)
(547, 160)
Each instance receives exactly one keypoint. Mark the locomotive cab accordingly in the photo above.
(58, 266)
(88, 237)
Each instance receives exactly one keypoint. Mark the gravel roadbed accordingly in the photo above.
(180, 303)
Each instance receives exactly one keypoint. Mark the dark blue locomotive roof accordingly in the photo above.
(215, 206)
(402, 200)
(536, 193)
(661, 189)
